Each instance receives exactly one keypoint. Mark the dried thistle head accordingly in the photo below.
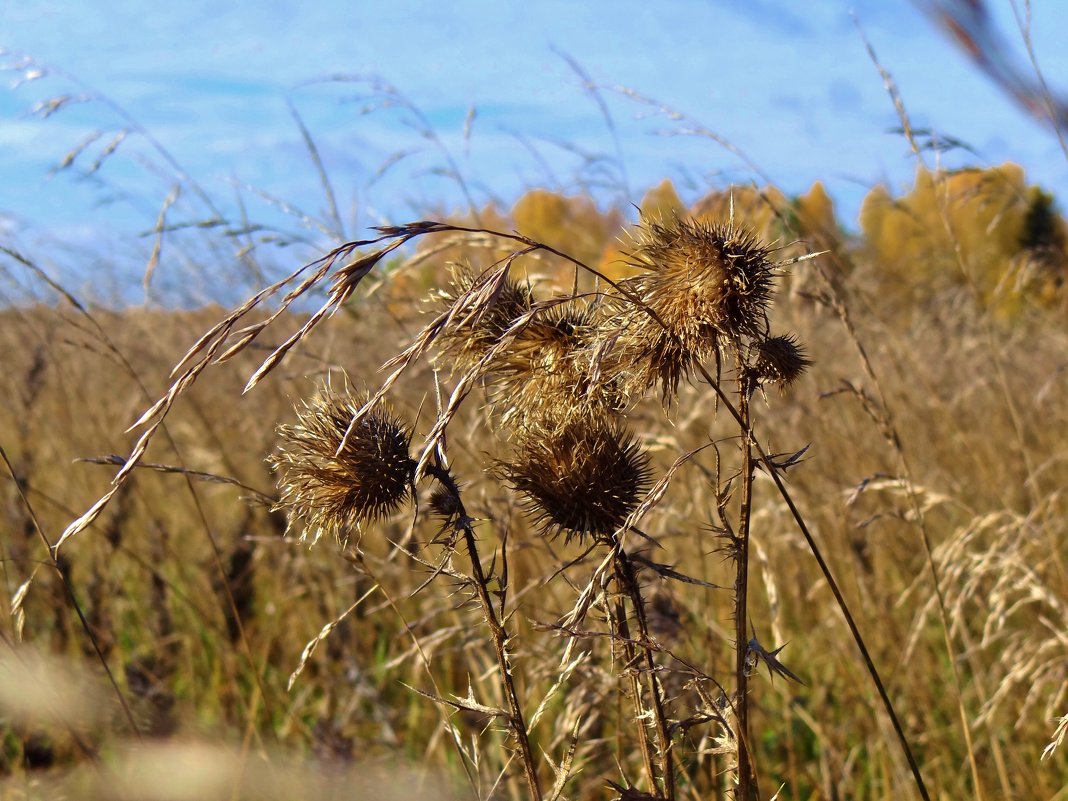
(778, 360)
(445, 505)
(333, 482)
(709, 284)
(582, 482)
(548, 377)
(467, 342)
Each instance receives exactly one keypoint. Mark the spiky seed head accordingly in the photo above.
(545, 344)
(547, 377)
(466, 343)
(333, 482)
(779, 360)
(582, 482)
(445, 505)
(710, 284)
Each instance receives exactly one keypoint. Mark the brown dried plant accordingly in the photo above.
(709, 285)
(583, 482)
(561, 374)
(563, 377)
(331, 478)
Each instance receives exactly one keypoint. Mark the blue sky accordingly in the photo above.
(790, 83)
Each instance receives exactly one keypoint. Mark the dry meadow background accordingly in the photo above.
(150, 655)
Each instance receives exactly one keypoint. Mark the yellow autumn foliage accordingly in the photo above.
(574, 225)
(761, 210)
(982, 230)
(966, 228)
(814, 214)
(662, 202)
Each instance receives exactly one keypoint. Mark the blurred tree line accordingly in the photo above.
(983, 231)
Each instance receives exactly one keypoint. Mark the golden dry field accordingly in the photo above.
(574, 549)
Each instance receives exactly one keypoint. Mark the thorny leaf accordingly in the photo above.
(782, 461)
(770, 659)
(669, 572)
(468, 704)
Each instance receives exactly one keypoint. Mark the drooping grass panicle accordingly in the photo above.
(334, 476)
(476, 330)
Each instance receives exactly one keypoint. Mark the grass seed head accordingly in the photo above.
(583, 482)
(334, 487)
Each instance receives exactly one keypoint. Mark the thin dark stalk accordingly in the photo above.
(621, 633)
(500, 647)
(746, 771)
(828, 576)
(625, 571)
(69, 590)
(499, 634)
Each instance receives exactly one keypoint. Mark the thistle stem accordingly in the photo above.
(746, 775)
(498, 633)
(500, 647)
(622, 634)
(625, 570)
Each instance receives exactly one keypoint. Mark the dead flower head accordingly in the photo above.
(467, 342)
(709, 284)
(584, 481)
(548, 376)
(333, 487)
(779, 360)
